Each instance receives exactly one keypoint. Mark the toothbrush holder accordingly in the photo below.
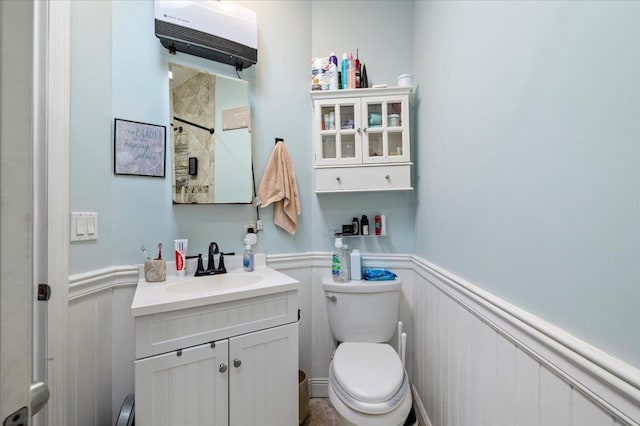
(155, 270)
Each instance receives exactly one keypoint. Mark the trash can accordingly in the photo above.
(303, 396)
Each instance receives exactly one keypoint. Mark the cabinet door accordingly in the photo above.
(264, 377)
(187, 389)
(386, 129)
(337, 132)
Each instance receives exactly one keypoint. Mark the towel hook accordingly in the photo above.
(279, 140)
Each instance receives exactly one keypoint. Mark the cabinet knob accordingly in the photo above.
(364, 129)
(359, 130)
(338, 178)
(237, 363)
(223, 368)
(387, 177)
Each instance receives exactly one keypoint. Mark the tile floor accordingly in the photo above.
(321, 413)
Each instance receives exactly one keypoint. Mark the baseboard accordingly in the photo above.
(319, 388)
(418, 407)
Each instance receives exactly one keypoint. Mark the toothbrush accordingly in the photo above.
(145, 252)
(159, 251)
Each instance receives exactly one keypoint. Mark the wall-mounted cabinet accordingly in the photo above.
(362, 140)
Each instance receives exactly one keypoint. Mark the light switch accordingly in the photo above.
(84, 226)
(81, 226)
(91, 225)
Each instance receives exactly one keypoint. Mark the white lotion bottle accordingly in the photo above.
(356, 265)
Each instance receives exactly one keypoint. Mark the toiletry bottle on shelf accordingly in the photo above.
(356, 264)
(338, 261)
(383, 224)
(333, 72)
(346, 265)
(247, 257)
(345, 70)
(356, 226)
(378, 224)
(364, 225)
(358, 74)
(364, 80)
(351, 80)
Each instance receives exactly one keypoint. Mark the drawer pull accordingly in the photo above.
(387, 177)
(338, 178)
(237, 363)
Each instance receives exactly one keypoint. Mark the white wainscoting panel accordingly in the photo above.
(101, 351)
(90, 374)
(472, 358)
(480, 361)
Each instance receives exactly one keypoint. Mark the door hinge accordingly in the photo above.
(44, 292)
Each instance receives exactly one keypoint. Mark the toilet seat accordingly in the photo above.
(368, 377)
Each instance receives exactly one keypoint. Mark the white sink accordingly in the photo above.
(215, 283)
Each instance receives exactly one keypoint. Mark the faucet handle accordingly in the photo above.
(221, 268)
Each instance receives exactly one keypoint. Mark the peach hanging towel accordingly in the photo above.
(278, 186)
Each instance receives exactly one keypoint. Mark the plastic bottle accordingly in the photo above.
(247, 257)
(356, 226)
(338, 262)
(378, 224)
(351, 79)
(364, 80)
(358, 70)
(364, 224)
(356, 265)
(383, 228)
(333, 72)
(346, 266)
(345, 70)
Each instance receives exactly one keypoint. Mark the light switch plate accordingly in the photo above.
(84, 226)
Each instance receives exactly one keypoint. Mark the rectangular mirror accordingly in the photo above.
(210, 137)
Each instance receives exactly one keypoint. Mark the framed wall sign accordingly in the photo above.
(138, 148)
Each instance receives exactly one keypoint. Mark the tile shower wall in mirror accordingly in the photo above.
(211, 137)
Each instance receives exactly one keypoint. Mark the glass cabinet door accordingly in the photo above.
(385, 136)
(339, 124)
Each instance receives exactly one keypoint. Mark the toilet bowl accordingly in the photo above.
(368, 384)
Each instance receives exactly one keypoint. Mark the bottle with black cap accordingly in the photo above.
(364, 225)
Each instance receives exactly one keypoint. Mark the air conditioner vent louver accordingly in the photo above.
(205, 45)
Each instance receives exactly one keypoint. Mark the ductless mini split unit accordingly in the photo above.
(222, 31)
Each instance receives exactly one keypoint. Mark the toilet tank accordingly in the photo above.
(362, 311)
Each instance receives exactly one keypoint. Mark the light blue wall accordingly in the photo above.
(91, 124)
(528, 150)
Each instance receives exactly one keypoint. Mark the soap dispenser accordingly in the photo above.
(247, 256)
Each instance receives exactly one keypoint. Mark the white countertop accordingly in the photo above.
(152, 298)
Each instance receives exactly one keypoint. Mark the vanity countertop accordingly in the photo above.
(188, 292)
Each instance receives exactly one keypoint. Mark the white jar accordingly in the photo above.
(405, 80)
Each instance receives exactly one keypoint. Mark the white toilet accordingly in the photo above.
(368, 385)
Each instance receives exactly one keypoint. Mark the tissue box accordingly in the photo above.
(155, 270)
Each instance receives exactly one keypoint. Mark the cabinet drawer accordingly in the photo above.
(168, 331)
(363, 178)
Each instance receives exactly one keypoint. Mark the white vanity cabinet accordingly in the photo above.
(362, 140)
(229, 363)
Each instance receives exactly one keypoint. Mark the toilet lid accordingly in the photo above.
(369, 372)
